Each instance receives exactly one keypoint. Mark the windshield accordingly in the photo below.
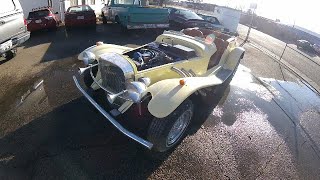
(39, 14)
(79, 8)
(188, 14)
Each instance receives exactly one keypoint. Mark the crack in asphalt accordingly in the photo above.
(261, 172)
(218, 157)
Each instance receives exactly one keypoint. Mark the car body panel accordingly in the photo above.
(44, 21)
(11, 21)
(13, 29)
(83, 17)
(184, 18)
(168, 94)
(135, 16)
(164, 87)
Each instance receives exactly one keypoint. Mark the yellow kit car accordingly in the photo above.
(157, 80)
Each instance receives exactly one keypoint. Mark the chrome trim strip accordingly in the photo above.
(192, 73)
(181, 73)
(138, 139)
(186, 72)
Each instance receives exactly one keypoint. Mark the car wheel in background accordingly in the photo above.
(104, 19)
(11, 54)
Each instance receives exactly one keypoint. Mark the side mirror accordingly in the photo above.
(56, 13)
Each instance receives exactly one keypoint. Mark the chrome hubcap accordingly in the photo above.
(179, 127)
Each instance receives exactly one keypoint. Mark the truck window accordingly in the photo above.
(126, 2)
(6, 6)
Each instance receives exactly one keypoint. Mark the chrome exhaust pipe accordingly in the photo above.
(82, 70)
(112, 97)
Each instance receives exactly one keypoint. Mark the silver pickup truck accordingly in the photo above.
(13, 28)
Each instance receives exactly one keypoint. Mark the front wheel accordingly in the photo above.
(165, 133)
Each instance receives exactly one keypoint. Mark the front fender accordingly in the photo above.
(168, 94)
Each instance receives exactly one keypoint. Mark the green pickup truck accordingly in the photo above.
(131, 14)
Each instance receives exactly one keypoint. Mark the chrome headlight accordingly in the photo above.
(88, 57)
(135, 91)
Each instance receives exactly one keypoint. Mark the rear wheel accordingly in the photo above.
(165, 133)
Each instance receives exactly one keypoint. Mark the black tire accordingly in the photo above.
(11, 54)
(87, 77)
(159, 129)
(104, 19)
(124, 29)
(117, 20)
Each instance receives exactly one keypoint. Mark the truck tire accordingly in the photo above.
(104, 19)
(11, 54)
(165, 133)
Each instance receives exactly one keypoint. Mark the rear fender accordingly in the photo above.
(233, 58)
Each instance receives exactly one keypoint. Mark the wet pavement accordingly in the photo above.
(265, 125)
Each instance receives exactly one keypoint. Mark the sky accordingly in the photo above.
(304, 13)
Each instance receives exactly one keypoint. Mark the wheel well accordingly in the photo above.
(117, 19)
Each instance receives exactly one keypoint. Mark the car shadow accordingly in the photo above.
(64, 44)
(72, 135)
(4, 60)
(75, 135)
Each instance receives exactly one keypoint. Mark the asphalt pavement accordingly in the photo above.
(263, 126)
(303, 62)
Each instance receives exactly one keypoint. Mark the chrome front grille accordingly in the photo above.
(112, 77)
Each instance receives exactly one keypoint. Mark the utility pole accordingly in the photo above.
(253, 7)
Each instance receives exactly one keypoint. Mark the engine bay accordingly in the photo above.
(157, 54)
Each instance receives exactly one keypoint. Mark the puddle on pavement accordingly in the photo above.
(35, 89)
(294, 98)
(33, 98)
(260, 101)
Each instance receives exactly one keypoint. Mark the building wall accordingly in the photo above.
(28, 5)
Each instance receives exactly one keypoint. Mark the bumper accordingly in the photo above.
(75, 23)
(147, 26)
(36, 27)
(14, 42)
(111, 119)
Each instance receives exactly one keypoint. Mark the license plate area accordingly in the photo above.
(38, 21)
(80, 17)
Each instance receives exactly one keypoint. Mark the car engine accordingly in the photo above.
(157, 54)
